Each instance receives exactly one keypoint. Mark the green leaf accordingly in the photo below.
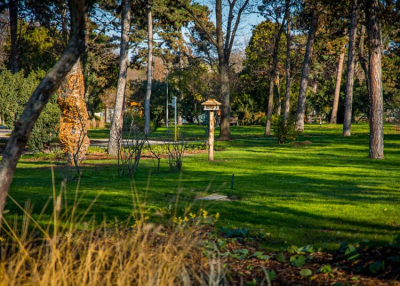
(376, 266)
(292, 249)
(297, 260)
(238, 232)
(260, 255)
(305, 272)
(241, 251)
(280, 257)
(307, 249)
(343, 246)
(270, 274)
(351, 252)
(257, 254)
(325, 269)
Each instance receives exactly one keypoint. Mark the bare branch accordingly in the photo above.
(237, 24)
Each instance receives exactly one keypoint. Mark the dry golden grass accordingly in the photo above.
(139, 254)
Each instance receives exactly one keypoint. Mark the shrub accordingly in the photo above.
(283, 131)
(15, 92)
(263, 120)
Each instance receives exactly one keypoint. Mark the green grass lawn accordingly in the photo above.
(319, 193)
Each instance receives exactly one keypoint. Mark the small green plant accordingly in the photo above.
(327, 268)
(297, 260)
(284, 131)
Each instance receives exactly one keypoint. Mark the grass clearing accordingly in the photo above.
(319, 193)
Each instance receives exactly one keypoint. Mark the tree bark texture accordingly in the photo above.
(225, 131)
(117, 122)
(223, 60)
(301, 105)
(278, 93)
(273, 75)
(13, 14)
(149, 72)
(287, 68)
(74, 116)
(181, 92)
(348, 102)
(40, 97)
(362, 57)
(337, 89)
(375, 77)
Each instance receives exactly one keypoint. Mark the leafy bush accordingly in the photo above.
(16, 90)
(263, 120)
(284, 131)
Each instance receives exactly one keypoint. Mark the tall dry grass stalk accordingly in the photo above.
(142, 254)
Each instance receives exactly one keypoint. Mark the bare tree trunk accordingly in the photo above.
(337, 89)
(375, 78)
(149, 72)
(64, 24)
(273, 75)
(13, 14)
(180, 84)
(117, 122)
(287, 69)
(348, 103)
(362, 58)
(40, 97)
(223, 59)
(225, 129)
(278, 93)
(301, 105)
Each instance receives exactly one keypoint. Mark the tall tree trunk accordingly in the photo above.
(64, 23)
(278, 93)
(348, 102)
(337, 89)
(362, 57)
(13, 14)
(149, 72)
(225, 129)
(375, 78)
(287, 68)
(301, 105)
(223, 59)
(74, 117)
(117, 122)
(40, 97)
(273, 76)
(180, 86)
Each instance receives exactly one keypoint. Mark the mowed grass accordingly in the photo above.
(317, 193)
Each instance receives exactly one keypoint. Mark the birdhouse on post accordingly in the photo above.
(211, 105)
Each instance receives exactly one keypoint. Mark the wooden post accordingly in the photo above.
(211, 105)
(211, 137)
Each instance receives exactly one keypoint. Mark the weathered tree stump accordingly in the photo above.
(74, 116)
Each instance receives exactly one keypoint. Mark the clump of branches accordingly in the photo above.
(176, 150)
(130, 144)
(157, 151)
